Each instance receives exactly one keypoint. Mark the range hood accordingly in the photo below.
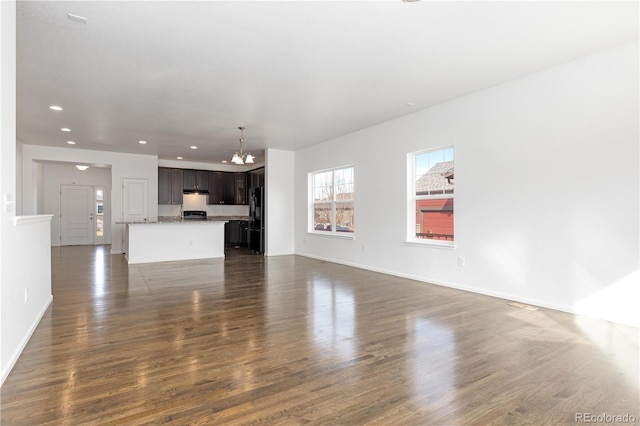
(195, 191)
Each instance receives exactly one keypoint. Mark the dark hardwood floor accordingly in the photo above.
(292, 340)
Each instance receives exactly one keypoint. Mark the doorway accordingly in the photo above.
(82, 215)
(135, 200)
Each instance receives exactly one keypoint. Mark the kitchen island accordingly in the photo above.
(174, 240)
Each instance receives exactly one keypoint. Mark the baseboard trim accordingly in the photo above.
(499, 295)
(16, 354)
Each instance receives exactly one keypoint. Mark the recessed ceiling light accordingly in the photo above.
(410, 104)
(142, 142)
(179, 158)
(193, 147)
(224, 161)
(65, 129)
(55, 108)
(71, 142)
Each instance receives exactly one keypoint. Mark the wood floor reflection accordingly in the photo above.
(292, 340)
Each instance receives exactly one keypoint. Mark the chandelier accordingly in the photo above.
(241, 157)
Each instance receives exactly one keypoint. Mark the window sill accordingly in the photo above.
(341, 235)
(447, 245)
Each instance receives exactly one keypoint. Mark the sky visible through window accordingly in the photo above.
(324, 185)
(428, 159)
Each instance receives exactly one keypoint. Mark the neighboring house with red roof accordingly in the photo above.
(434, 216)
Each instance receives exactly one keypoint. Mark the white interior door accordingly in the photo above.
(76, 215)
(135, 200)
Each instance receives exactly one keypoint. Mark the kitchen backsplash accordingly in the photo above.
(194, 201)
(199, 202)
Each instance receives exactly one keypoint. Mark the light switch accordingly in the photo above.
(8, 203)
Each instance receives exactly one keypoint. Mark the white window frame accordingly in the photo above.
(412, 199)
(311, 208)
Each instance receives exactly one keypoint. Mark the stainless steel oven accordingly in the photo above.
(194, 215)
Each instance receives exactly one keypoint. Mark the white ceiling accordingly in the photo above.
(293, 73)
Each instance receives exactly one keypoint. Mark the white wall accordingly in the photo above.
(25, 269)
(279, 203)
(26, 292)
(7, 149)
(122, 166)
(547, 190)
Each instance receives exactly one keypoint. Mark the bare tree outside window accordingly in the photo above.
(333, 204)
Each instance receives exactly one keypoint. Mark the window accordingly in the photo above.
(99, 213)
(431, 176)
(332, 201)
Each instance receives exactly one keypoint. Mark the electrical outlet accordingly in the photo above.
(461, 262)
(364, 248)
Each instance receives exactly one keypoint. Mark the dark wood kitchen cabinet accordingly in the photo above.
(227, 188)
(170, 185)
(196, 180)
(241, 188)
(255, 178)
(215, 188)
(235, 233)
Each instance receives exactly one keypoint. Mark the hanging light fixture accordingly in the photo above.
(241, 157)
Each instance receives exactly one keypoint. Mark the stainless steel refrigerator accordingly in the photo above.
(255, 231)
